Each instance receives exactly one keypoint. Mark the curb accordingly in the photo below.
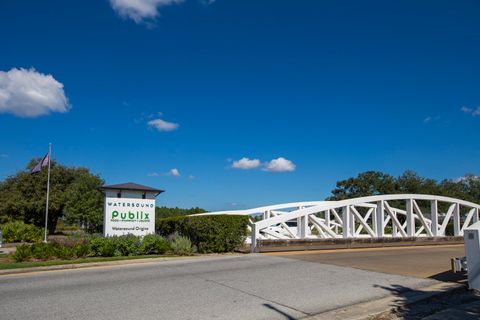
(285, 245)
(85, 265)
(364, 310)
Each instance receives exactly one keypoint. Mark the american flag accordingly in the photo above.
(42, 163)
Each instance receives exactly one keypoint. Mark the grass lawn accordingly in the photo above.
(6, 263)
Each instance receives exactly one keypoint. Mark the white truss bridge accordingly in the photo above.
(396, 215)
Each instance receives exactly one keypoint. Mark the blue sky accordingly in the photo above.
(325, 89)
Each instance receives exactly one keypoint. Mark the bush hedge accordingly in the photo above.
(219, 233)
(18, 231)
(128, 245)
(180, 245)
(47, 251)
(155, 244)
(207, 233)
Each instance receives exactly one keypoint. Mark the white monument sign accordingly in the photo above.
(129, 209)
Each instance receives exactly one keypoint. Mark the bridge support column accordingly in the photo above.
(410, 219)
(255, 235)
(475, 215)
(456, 220)
(434, 217)
(380, 219)
(266, 215)
(347, 223)
(327, 218)
(302, 227)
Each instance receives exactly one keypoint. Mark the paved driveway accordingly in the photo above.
(232, 287)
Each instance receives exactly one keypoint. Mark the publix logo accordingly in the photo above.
(130, 216)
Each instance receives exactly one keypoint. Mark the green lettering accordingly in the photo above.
(114, 214)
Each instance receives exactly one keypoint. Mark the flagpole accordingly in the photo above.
(48, 190)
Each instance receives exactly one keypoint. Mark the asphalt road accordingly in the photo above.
(422, 261)
(233, 287)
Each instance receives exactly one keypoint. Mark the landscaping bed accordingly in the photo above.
(180, 236)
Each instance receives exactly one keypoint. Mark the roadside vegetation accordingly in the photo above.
(209, 234)
(177, 236)
(122, 246)
(18, 231)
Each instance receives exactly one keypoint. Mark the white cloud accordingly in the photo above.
(280, 165)
(140, 10)
(173, 173)
(466, 109)
(162, 125)
(28, 93)
(431, 119)
(473, 112)
(246, 164)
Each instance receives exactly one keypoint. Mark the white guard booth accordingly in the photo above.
(129, 209)
(472, 251)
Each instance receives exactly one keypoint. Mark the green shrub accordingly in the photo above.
(180, 245)
(22, 253)
(64, 253)
(82, 250)
(18, 231)
(154, 244)
(128, 245)
(219, 233)
(102, 247)
(43, 251)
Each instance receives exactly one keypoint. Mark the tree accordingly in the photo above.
(467, 188)
(23, 195)
(411, 182)
(368, 183)
(84, 201)
(374, 183)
